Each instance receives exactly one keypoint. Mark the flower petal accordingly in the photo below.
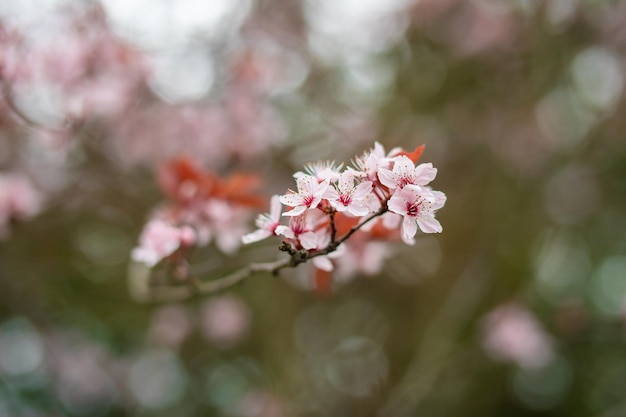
(275, 208)
(403, 166)
(425, 173)
(291, 200)
(256, 236)
(283, 230)
(428, 224)
(397, 204)
(409, 229)
(295, 212)
(308, 240)
(357, 209)
(362, 190)
(388, 178)
(323, 263)
(306, 183)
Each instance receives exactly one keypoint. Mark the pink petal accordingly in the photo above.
(403, 166)
(388, 178)
(275, 208)
(428, 224)
(318, 189)
(440, 200)
(409, 229)
(306, 183)
(331, 194)
(410, 193)
(362, 190)
(295, 212)
(284, 231)
(291, 200)
(357, 209)
(256, 236)
(397, 205)
(323, 263)
(308, 240)
(425, 173)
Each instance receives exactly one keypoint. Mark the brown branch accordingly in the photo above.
(143, 290)
(333, 226)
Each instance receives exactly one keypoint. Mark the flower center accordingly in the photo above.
(405, 181)
(345, 199)
(412, 209)
(308, 200)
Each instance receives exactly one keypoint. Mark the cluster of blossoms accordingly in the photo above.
(341, 219)
(380, 195)
(202, 208)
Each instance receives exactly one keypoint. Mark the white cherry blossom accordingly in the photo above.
(375, 159)
(418, 206)
(299, 230)
(310, 193)
(405, 172)
(266, 223)
(352, 195)
(327, 170)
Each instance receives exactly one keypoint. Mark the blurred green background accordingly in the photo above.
(516, 309)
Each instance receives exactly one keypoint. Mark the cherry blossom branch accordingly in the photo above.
(326, 198)
(333, 226)
(142, 289)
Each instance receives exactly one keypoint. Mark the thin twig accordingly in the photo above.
(333, 226)
(143, 290)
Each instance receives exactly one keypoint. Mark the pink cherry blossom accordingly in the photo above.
(159, 239)
(19, 200)
(266, 223)
(310, 193)
(225, 320)
(511, 333)
(370, 162)
(352, 194)
(228, 223)
(405, 172)
(328, 170)
(418, 206)
(299, 230)
(170, 326)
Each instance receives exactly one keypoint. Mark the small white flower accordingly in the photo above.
(328, 170)
(300, 230)
(310, 193)
(405, 172)
(266, 223)
(351, 198)
(418, 206)
(375, 159)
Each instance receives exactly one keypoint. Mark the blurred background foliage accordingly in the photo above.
(516, 309)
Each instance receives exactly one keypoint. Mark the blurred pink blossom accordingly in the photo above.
(512, 334)
(225, 320)
(159, 239)
(19, 200)
(170, 326)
